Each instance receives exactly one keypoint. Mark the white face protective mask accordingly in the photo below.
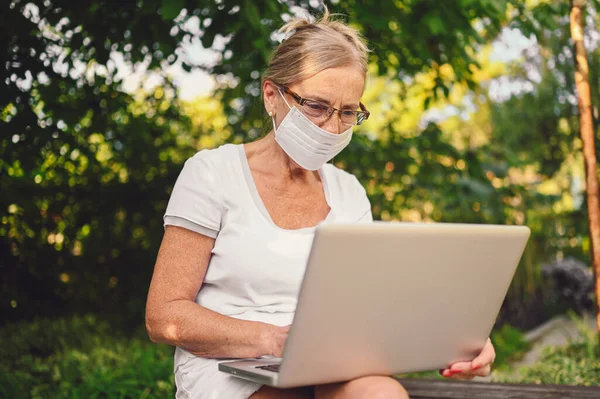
(306, 143)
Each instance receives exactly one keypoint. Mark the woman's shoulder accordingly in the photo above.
(342, 180)
(347, 192)
(214, 165)
(214, 156)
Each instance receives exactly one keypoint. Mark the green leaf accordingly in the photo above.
(435, 24)
(426, 103)
(170, 9)
(476, 187)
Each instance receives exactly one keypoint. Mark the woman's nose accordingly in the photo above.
(332, 125)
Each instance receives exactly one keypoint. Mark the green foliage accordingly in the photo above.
(80, 357)
(510, 344)
(541, 126)
(86, 169)
(89, 198)
(407, 38)
(537, 130)
(577, 363)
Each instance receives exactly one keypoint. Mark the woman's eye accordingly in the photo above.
(316, 106)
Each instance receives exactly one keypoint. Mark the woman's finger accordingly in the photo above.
(470, 374)
(483, 371)
(460, 366)
(485, 358)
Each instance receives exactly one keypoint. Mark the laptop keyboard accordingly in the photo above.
(270, 367)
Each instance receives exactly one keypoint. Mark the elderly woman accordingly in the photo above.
(241, 218)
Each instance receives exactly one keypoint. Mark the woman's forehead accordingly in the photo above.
(344, 82)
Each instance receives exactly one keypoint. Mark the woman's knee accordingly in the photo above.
(372, 387)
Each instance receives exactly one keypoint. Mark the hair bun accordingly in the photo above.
(293, 26)
(300, 23)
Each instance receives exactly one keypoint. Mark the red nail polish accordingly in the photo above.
(474, 367)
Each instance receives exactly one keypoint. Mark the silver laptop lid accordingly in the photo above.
(388, 298)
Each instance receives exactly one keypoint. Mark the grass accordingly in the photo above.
(510, 345)
(81, 357)
(576, 363)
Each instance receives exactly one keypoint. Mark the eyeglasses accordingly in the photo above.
(320, 112)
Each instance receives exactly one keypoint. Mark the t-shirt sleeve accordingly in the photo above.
(196, 203)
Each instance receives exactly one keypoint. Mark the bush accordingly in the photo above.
(577, 363)
(510, 345)
(81, 357)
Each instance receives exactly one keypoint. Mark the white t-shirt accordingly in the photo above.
(256, 267)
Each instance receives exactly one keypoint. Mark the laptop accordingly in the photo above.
(387, 298)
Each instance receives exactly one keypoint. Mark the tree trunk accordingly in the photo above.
(587, 136)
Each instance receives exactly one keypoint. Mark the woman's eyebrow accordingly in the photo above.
(323, 100)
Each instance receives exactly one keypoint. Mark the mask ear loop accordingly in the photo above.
(282, 96)
(272, 114)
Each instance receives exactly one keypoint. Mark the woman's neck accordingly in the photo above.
(266, 156)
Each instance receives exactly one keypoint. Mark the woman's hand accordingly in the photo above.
(274, 340)
(480, 366)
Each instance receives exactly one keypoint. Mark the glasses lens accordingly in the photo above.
(360, 117)
(315, 109)
(348, 117)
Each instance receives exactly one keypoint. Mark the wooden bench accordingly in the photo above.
(454, 389)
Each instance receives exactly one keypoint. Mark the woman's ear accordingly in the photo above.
(270, 97)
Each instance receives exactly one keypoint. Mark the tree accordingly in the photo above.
(86, 169)
(587, 135)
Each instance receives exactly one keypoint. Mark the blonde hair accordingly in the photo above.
(312, 47)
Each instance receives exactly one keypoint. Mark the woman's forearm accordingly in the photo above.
(206, 333)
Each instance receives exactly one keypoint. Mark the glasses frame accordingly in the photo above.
(330, 110)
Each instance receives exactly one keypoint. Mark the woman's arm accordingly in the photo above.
(172, 316)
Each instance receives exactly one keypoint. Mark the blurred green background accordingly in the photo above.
(473, 119)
